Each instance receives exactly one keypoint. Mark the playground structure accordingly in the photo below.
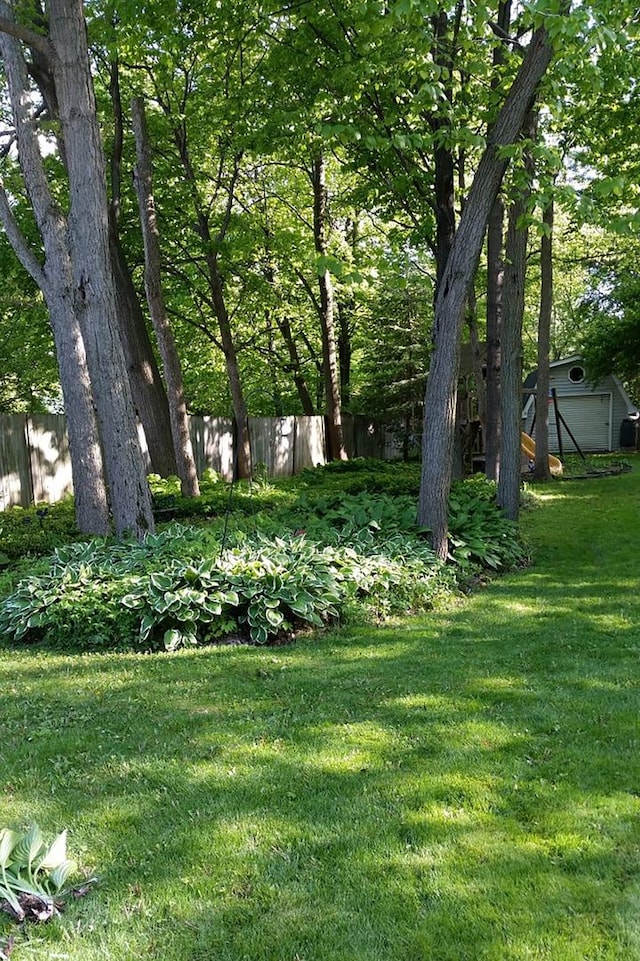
(528, 447)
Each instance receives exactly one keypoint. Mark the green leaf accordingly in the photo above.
(132, 601)
(28, 847)
(61, 872)
(8, 840)
(172, 639)
(162, 582)
(56, 854)
(274, 617)
(146, 625)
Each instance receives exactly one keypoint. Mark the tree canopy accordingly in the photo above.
(288, 295)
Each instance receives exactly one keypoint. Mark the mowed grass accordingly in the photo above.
(465, 785)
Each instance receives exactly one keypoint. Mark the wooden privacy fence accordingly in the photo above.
(35, 465)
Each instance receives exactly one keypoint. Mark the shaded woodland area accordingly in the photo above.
(306, 209)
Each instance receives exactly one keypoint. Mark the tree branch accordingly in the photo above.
(16, 238)
(33, 40)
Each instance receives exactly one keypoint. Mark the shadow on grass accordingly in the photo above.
(355, 797)
(462, 786)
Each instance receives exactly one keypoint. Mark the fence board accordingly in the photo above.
(310, 446)
(212, 440)
(46, 435)
(15, 476)
(273, 444)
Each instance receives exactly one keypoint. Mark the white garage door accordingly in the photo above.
(589, 419)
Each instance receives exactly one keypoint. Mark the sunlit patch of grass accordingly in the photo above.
(460, 786)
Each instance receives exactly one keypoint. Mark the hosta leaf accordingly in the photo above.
(172, 639)
(8, 840)
(28, 847)
(146, 624)
(162, 582)
(36, 620)
(274, 617)
(56, 854)
(132, 601)
(6, 894)
(59, 875)
(259, 633)
(213, 607)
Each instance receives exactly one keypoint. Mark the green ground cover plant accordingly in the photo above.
(459, 786)
(298, 557)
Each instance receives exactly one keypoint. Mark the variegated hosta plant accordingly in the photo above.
(32, 872)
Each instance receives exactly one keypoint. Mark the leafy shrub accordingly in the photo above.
(178, 587)
(32, 870)
(366, 475)
(479, 533)
(36, 531)
(285, 563)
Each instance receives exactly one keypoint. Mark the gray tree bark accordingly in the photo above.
(541, 469)
(216, 288)
(440, 395)
(153, 285)
(54, 278)
(333, 405)
(512, 315)
(495, 280)
(94, 296)
(147, 388)
(495, 277)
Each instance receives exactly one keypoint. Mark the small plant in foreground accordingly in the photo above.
(32, 872)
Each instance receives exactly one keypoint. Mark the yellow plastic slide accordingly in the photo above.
(529, 450)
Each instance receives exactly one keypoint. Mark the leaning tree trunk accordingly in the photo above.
(54, 278)
(147, 388)
(512, 314)
(333, 405)
(440, 396)
(94, 288)
(153, 264)
(541, 470)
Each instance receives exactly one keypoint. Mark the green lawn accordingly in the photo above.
(465, 785)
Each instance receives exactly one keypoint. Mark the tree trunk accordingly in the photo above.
(94, 288)
(147, 388)
(240, 415)
(495, 276)
(153, 286)
(241, 422)
(443, 160)
(440, 396)
(541, 469)
(333, 407)
(513, 311)
(56, 282)
(304, 396)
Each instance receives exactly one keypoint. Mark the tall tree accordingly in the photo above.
(155, 297)
(541, 469)
(453, 292)
(511, 334)
(83, 243)
(337, 449)
(147, 388)
(495, 278)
